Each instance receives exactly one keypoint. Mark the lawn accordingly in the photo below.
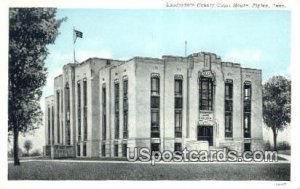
(285, 152)
(47, 170)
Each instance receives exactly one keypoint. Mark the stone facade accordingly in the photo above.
(102, 106)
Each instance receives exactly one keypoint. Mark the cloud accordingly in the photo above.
(249, 56)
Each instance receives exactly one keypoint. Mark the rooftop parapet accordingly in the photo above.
(231, 64)
(214, 57)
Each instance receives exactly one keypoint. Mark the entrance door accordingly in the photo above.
(247, 147)
(206, 133)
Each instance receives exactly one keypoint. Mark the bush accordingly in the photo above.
(267, 145)
(283, 146)
(11, 153)
(36, 153)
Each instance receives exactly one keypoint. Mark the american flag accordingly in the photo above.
(77, 34)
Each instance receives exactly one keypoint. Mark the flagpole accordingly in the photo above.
(74, 45)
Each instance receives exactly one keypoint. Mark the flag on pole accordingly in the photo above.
(77, 34)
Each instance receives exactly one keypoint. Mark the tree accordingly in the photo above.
(277, 105)
(28, 146)
(30, 31)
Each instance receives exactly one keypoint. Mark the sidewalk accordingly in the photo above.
(287, 157)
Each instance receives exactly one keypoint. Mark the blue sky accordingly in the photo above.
(255, 39)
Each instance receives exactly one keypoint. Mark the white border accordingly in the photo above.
(292, 5)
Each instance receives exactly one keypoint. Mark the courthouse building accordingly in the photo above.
(102, 106)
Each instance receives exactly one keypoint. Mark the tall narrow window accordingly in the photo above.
(103, 112)
(103, 150)
(84, 149)
(58, 115)
(79, 110)
(155, 124)
(61, 117)
(116, 150)
(67, 114)
(178, 123)
(178, 106)
(177, 147)
(125, 108)
(206, 93)
(49, 125)
(78, 149)
(155, 147)
(247, 109)
(52, 120)
(155, 101)
(124, 150)
(117, 112)
(228, 107)
(85, 126)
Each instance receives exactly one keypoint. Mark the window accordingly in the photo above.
(103, 150)
(247, 91)
(85, 126)
(49, 125)
(116, 150)
(67, 114)
(178, 123)
(154, 85)
(78, 149)
(228, 107)
(178, 86)
(247, 109)
(178, 106)
(125, 122)
(79, 110)
(84, 149)
(155, 147)
(103, 112)
(178, 102)
(52, 120)
(117, 122)
(124, 150)
(228, 124)
(58, 115)
(155, 101)
(177, 147)
(178, 93)
(155, 124)
(61, 117)
(247, 125)
(206, 93)
(125, 108)
(247, 147)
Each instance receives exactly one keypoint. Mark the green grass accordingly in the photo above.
(285, 152)
(39, 170)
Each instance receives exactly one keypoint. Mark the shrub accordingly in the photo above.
(36, 153)
(284, 146)
(267, 145)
